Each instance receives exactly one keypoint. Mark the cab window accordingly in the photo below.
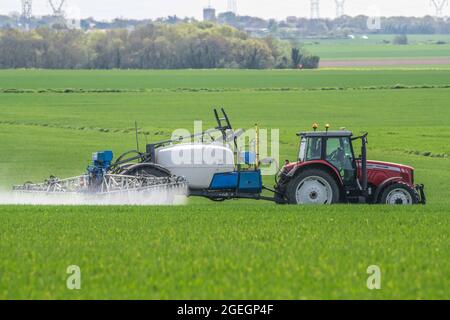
(339, 153)
(314, 150)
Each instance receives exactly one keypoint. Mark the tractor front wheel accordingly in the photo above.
(399, 194)
(313, 186)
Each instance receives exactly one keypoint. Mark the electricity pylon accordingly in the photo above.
(27, 9)
(439, 5)
(339, 8)
(57, 7)
(315, 9)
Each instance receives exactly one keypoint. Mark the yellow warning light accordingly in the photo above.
(315, 126)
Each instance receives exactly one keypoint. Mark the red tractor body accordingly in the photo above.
(327, 171)
(379, 173)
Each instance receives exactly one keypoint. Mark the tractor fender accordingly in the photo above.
(385, 183)
(147, 165)
(316, 164)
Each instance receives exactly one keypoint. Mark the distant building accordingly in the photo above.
(291, 20)
(209, 14)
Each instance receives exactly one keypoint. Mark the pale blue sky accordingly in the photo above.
(107, 9)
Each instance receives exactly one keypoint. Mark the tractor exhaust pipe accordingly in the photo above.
(364, 165)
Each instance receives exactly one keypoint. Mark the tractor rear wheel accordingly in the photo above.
(399, 194)
(313, 186)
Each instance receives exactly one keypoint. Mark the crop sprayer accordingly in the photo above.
(325, 171)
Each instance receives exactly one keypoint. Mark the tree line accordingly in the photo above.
(296, 26)
(153, 46)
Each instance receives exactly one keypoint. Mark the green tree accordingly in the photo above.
(401, 40)
(149, 46)
(296, 57)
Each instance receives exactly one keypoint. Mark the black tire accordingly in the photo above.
(279, 199)
(322, 177)
(399, 194)
(146, 170)
(217, 199)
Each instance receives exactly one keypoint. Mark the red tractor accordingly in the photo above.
(328, 172)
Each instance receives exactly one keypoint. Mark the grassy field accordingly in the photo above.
(231, 252)
(420, 46)
(238, 249)
(218, 79)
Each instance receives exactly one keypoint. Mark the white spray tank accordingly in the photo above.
(197, 162)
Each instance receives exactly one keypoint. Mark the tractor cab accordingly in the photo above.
(333, 147)
(327, 170)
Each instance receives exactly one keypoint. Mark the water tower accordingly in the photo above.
(209, 13)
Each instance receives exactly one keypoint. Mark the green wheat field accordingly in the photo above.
(51, 122)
